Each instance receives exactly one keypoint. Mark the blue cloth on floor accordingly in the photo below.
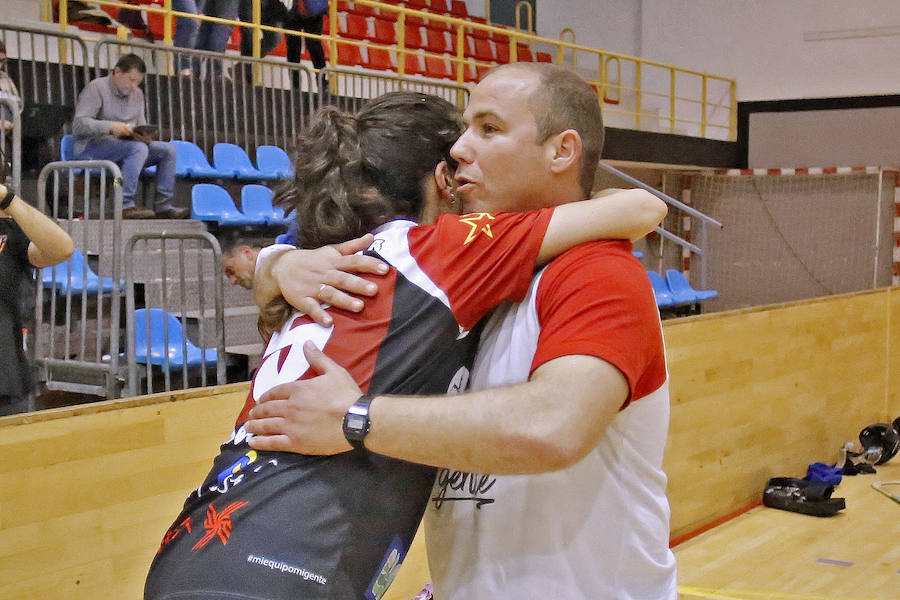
(821, 473)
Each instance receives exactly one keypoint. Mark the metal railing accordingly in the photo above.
(187, 305)
(77, 349)
(11, 141)
(49, 67)
(218, 101)
(350, 89)
(646, 95)
(704, 220)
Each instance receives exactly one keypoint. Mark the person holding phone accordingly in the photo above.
(110, 124)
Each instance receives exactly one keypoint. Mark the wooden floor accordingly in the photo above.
(774, 554)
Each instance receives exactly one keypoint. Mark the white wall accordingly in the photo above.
(761, 44)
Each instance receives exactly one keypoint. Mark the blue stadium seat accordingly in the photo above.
(231, 158)
(256, 204)
(82, 278)
(210, 202)
(190, 161)
(67, 152)
(682, 290)
(159, 321)
(664, 298)
(274, 163)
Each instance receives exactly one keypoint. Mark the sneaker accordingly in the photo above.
(137, 212)
(173, 212)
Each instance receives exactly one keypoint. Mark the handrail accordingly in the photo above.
(528, 12)
(642, 88)
(15, 160)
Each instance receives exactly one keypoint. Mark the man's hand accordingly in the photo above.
(307, 278)
(6, 125)
(306, 416)
(120, 129)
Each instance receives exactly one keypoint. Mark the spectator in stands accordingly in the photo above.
(553, 488)
(28, 238)
(108, 110)
(186, 32)
(7, 90)
(338, 526)
(214, 36)
(299, 15)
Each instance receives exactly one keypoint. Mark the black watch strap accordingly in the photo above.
(357, 423)
(7, 199)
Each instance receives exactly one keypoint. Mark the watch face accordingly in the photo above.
(356, 422)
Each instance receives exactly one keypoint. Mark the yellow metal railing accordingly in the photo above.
(645, 94)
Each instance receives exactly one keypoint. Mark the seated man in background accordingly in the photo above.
(106, 115)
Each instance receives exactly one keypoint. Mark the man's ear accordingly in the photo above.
(443, 179)
(566, 151)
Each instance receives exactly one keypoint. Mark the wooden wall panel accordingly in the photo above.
(87, 492)
(764, 392)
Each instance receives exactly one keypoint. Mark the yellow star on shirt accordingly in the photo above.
(478, 222)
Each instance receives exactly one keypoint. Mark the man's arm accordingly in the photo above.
(50, 244)
(545, 424)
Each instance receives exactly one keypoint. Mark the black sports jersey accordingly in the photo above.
(280, 525)
(14, 266)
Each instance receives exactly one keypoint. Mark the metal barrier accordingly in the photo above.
(50, 68)
(685, 245)
(79, 351)
(226, 98)
(11, 141)
(188, 304)
(350, 89)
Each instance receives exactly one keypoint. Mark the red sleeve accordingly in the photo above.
(480, 259)
(596, 300)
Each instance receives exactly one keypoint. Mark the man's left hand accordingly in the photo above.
(305, 416)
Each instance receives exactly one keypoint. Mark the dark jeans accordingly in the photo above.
(12, 405)
(273, 13)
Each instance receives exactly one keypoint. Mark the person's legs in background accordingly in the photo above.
(130, 155)
(186, 31)
(213, 37)
(272, 14)
(295, 48)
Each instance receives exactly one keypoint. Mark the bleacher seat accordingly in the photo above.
(256, 204)
(436, 42)
(414, 65)
(349, 54)
(67, 152)
(379, 59)
(357, 27)
(480, 34)
(82, 279)
(664, 298)
(502, 52)
(458, 9)
(682, 291)
(523, 53)
(544, 57)
(482, 49)
(413, 38)
(439, 6)
(436, 25)
(165, 325)
(385, 32)
(274, 162)
(416, 4)
(212, 203)
(190, 161)
(438, 68)
(232, 159)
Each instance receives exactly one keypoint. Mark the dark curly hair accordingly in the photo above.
(353, 173)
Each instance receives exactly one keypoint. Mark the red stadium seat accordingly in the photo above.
(363, 9)
(413, 64)
(357, 27)
(439, 6)
(458, 9)
(544, 57)
(379, 60)
(349, 54)
(478, 33)
(437, 42)
(523, 53)
(502, 52)
(438, 68)
(414, 38)
(416, 4)
(415, 21)
(497, 36)
(385, 32)
(483, 50)
(438, 25)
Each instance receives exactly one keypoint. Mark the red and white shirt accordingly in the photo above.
(599, 528)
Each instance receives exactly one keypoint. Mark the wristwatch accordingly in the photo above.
(356, 422)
